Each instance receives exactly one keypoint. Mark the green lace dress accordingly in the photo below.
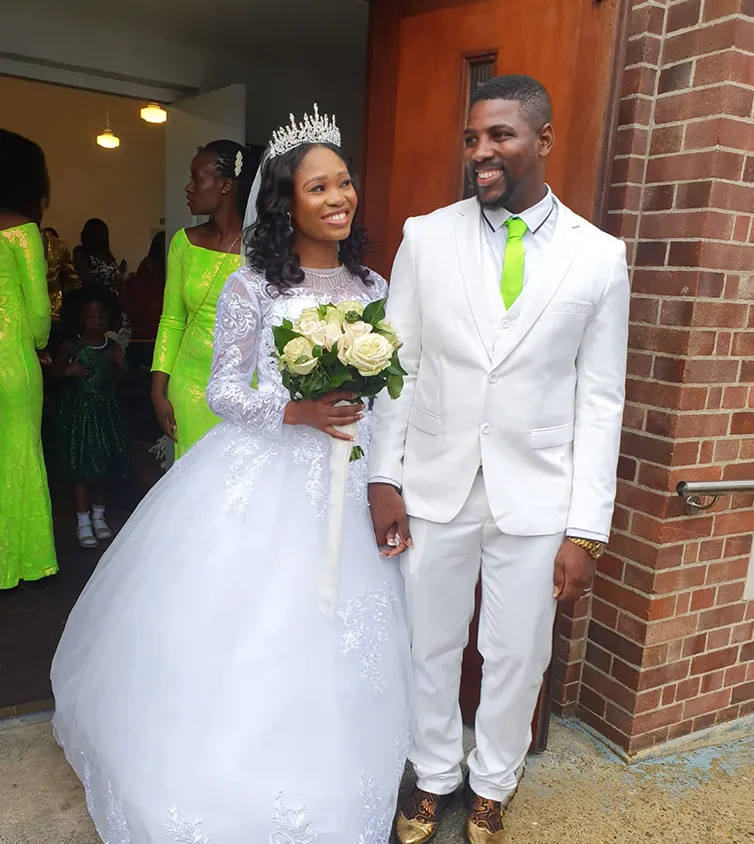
(91, 432)
(27, 547)
(183, 349)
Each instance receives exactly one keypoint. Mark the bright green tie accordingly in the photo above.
(512, 282)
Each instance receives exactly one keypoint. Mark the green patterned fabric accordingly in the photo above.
(27, 547)
(92, 439)
(195, 279)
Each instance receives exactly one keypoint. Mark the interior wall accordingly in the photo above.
(124, 186)
(126, 58)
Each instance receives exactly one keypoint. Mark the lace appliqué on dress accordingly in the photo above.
(117, 828)
(185, 832)
(88, 785)
(292, 824)
(242, 476)
(367, 619)
(309, 450)
(402, 747)
(375, 820)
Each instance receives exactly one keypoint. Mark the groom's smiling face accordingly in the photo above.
(504, 154)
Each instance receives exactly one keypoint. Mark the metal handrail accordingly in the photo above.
(693, 492)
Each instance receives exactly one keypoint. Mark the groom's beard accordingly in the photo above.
(504, 198)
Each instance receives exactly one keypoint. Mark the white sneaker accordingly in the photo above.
(86, 536)
(101, 529)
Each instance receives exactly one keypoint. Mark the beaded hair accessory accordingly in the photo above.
(312, 130)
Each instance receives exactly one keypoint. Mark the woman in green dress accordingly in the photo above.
(200, 260)
(27, 548)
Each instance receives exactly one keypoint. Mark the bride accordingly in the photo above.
(201, 695)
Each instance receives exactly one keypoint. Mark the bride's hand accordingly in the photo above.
(323, 415)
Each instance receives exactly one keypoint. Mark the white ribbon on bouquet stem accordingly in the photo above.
(340, 457)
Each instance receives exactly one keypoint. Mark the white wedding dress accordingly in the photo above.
(201, 696)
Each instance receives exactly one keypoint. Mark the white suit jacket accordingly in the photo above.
(534, 398)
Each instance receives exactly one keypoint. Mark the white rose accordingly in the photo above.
(370, 354)
(297, 356)
(311, 326)
(348, 306)
(333, 334)
(351, 332)
(386, 329)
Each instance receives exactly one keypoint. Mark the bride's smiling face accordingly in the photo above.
(324, 198)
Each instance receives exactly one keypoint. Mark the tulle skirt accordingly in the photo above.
(201, 696)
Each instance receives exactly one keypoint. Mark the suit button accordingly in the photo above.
(486, 428)
(493, 378)
(505, 323)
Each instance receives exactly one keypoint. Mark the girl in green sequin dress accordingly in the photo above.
(92, 440)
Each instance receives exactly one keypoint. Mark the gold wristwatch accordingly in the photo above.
(594, 548)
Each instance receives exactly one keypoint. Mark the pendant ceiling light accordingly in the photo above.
(154, 113)
(107, 139)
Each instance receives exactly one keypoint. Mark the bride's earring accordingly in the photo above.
(290, 222)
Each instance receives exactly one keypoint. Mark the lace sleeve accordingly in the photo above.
(379, 290)
(237, 336)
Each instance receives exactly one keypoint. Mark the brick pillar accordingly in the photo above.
(669, 644)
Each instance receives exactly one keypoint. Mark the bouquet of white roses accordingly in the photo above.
(346, 347)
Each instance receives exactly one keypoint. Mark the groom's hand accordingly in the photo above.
(574, 570)
(389, 519)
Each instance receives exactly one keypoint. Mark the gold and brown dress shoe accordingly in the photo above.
(484, 824)
(418, 819)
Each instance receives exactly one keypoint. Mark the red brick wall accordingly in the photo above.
(667, 642)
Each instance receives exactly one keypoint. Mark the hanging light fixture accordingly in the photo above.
(154, 113)
(107, 139)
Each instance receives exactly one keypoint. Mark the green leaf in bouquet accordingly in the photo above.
(317, 352)
(394, 386)
(329, 358)
(283, 335)
(374, 312)
(339, 379)
(395, 367)
(322, 311)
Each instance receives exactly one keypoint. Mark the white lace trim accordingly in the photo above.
(367, 620)
(117, 828)
(185, 832)
(292, 824)
(376, 819)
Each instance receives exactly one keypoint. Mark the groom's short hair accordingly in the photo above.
(530, 94)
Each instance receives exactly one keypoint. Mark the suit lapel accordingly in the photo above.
(468, 236)
(558, 261)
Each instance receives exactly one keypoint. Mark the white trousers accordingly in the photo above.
(515, 640)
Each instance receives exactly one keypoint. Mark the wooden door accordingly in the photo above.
(424, 57)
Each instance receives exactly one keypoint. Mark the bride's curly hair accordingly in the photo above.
(269, 242)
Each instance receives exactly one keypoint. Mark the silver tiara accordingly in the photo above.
(312, 130)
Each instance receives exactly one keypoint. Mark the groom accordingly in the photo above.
(502, 449)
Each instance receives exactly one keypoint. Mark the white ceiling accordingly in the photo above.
(292, 31)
